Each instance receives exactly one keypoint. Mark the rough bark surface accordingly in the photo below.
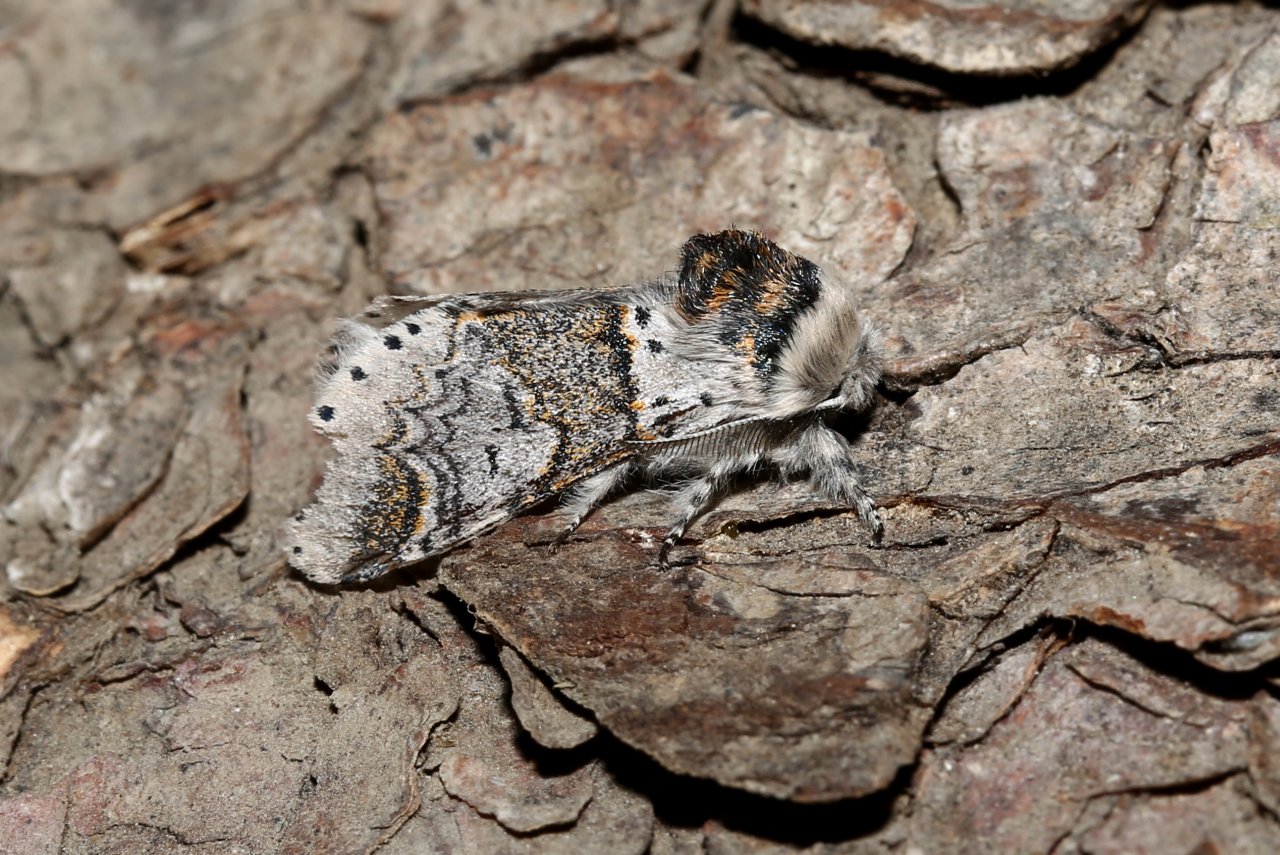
(1066, 218)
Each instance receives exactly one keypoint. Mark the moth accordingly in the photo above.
(451, 414)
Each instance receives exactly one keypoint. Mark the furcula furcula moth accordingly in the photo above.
(451, 414)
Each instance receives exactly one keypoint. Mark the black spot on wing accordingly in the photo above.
(357, 373)
(392, 342)
(325, 413)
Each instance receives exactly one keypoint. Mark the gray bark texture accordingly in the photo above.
(1064, 216)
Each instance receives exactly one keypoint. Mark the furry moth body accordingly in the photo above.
(460, 411)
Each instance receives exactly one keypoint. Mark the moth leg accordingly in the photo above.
(587, 496)
(694, 498)
(828, 458)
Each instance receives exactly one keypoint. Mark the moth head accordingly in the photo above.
(832, 359)
(862, 370)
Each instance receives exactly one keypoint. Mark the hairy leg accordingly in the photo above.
(828, 459)
(714, 472)
(587, 496)
(692, 499)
